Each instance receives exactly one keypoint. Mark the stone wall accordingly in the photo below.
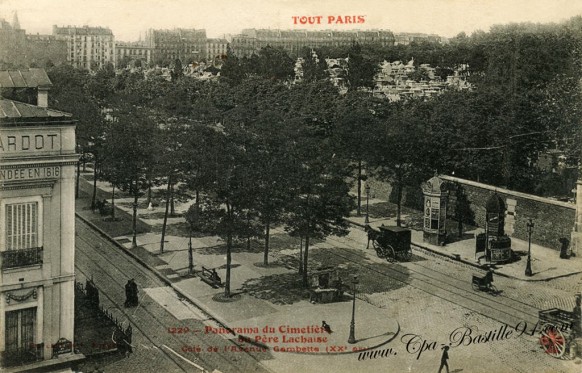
(553, 220)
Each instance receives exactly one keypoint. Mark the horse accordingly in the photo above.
(373, 234)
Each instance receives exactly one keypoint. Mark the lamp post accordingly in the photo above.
(530, 226)
(352, 338)
(190, 259)
(367, 221)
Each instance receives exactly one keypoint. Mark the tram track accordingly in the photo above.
(440, 284)
(137, 327)
(511, 312)
(87, 249)
(501, 308)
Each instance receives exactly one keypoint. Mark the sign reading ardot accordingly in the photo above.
(30, 173)
(29, 141)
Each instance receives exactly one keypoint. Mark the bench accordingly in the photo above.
(104, 207)
(210, 277)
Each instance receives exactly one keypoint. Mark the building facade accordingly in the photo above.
(37, 230)
(187, 45)
(294, 41)
(216, 49)
(126, 52)
(88, 48)
(20, 50)
(12, 43)
(45, 49)
(407, 38)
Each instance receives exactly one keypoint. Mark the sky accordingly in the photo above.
(128, 19)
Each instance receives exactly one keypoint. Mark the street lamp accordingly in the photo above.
(530, 226)
(134, 226)
(190, 259)
(367, 221)
(352, 338)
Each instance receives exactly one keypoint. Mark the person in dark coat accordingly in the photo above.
(326, 327)
(128, 296)
(215, 276)
(444, 359)
(489, 277)
(134, 300)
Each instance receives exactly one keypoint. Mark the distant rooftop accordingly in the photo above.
(85, 30)
(31, 78)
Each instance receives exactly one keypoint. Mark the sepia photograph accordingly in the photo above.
(283, 186)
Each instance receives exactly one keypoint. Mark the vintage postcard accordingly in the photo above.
(290, 186)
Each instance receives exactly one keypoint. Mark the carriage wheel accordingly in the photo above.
(553, 341)
(391, 254)
(378, 249)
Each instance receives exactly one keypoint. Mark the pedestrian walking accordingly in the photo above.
(215, 276)
(444, 359)
(128, 294)
(326, 327)
(134, 300)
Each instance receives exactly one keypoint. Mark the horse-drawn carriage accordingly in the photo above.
(390, 242)
(557, 330)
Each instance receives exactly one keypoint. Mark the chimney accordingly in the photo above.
(42, 100)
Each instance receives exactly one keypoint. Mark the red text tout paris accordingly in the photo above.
(329, 20)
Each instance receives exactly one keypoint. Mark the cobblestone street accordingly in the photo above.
(429, 297)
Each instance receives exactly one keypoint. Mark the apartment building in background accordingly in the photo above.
(251, 41)
(132, 51)
(216, 49)
(88, 48)
(187, 45)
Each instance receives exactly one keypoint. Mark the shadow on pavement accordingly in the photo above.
(287, 288)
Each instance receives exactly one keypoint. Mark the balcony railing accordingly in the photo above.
(22, 356)
(21, 257)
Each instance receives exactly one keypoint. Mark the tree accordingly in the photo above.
(232, 71)
(268, 150)
(321, 199)
(69, 94)
(275, 64)
(317, 178)
(124, 62)
(177, 72)
(357, 124)
(129, 155)
(225, 210)
(400, 152)
(562, 115)
(361, 70)
(170, 163)
(314, 67)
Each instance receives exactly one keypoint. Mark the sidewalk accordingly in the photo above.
(546, 263)
(269, 306)
(269, 303)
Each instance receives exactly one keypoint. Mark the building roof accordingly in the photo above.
(85, 30)
(16, 110)
(216, 40)
(31, 78)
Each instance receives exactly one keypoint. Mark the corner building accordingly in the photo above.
(37, 230)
